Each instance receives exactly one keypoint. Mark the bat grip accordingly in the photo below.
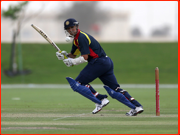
(65, 57)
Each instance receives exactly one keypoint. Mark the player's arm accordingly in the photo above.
(70, 55)
(71, 58)
(76, 61)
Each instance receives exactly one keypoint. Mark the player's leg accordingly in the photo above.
(131, 99)
(127, 99)
(83, 90)
(121, 98)
(128, 96)
(86, 92)
(95, 93)
(110, 80)
(101, 97)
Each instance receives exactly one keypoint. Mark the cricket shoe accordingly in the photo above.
(134, 112)
(98, 108)
(139, 109)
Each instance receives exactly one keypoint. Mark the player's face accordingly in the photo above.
(72, 30)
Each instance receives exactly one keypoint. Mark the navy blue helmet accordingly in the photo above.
(70, 22)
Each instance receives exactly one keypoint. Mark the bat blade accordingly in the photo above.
(43, 34)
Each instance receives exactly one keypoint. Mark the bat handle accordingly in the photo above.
(65, 57)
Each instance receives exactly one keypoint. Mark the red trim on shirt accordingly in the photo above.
(93, 54)
(77, 35)
(76, 38)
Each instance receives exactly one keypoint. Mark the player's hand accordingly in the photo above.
(61, 55)
(68, 62)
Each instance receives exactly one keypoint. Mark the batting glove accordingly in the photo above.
(68, 62)
(61, 55)
(65, 53)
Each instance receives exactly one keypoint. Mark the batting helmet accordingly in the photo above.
(70, 22)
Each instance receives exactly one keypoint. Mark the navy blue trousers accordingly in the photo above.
(101, 68)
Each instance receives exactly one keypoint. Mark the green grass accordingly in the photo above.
(133, 63)
(62, 111)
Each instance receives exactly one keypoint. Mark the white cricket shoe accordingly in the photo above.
(139, 109)
(105, 101)
(98, 108)
(134, 112)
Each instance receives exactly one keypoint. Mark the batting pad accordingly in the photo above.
(83, 90)
(120, 97)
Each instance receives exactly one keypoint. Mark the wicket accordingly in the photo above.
(157, 91)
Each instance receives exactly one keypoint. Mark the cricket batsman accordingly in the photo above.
(99, 65)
